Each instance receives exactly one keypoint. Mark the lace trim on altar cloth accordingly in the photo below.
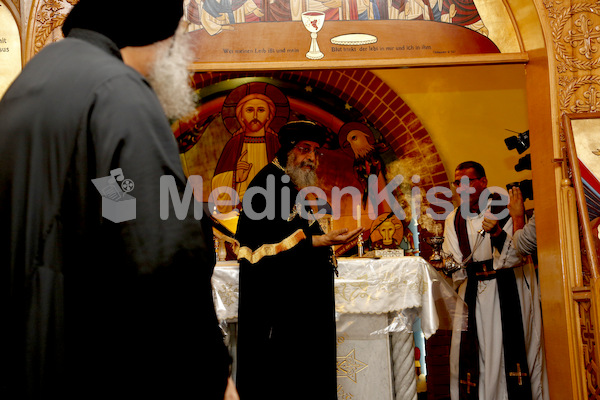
(269, 249)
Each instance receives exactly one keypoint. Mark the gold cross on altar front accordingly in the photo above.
(518, 374)
(468, 383)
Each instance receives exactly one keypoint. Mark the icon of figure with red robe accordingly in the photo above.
(463, 13)
(253, 113)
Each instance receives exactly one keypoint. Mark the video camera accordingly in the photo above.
(526, 187)
(519, 142)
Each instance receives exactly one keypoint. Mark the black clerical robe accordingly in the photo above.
(286, 342)
(88, 307)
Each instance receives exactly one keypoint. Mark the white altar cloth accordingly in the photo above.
(407, 286)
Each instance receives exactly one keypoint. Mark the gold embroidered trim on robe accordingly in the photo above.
(270, 249)
(276, 163)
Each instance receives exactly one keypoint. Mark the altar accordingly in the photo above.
(377, 302)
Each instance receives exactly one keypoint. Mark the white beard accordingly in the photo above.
(299, 177)
(169, 77)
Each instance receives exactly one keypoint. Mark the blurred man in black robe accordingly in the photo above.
(90, 308)
(287, 338)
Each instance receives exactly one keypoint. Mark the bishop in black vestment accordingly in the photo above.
(286, 342)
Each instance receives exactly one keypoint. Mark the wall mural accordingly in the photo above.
(293, 31)
(234, 135)
(216, 16)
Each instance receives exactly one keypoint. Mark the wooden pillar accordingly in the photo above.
(553, 266)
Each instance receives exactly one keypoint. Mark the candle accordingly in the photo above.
(358, 215)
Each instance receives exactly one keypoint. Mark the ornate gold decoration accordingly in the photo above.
(44, 32)
(575, 28)
(583, 290)
(588, 338)
(342, 394)
(269, 249)
(50, 15)
(584, 36)
(276, 163)
(229, 294)
(351, 291)
(349, 366)
(592, 103)
(588, 99)
(581, 38)
(340, 339)
(415, 284)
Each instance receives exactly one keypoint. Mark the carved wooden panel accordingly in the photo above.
(576, 35)
(588, 337)
(575, 30)
(47, 18)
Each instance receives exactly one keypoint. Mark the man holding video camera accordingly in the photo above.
(524, 235)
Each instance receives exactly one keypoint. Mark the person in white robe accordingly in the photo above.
(494, 380)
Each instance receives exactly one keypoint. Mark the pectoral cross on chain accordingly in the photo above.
(518, 374)
(468, 383)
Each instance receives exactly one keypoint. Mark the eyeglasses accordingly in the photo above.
(457, 182)
(306, 150)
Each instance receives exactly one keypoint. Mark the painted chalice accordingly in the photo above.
(313, 22)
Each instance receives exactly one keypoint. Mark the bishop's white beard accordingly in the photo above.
(300, 177)
(169, 77)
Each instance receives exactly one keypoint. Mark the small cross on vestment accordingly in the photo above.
(518, 374)
(468, 383)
